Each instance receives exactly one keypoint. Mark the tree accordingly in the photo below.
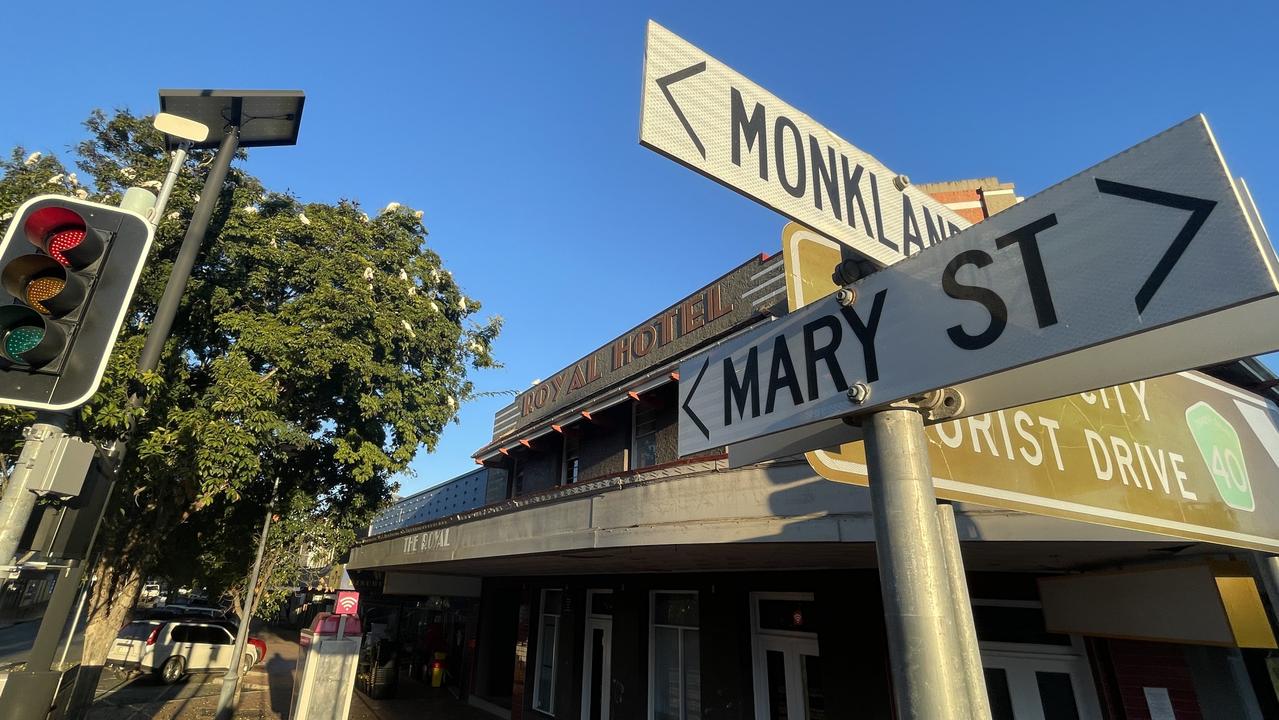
(316, 347)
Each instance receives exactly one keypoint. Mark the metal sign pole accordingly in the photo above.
(228, 696)
(927, 664)
(965, 630)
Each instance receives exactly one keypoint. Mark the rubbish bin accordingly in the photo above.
(328, 655)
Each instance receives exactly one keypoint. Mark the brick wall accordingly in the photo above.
(1140, 665)
(975, 200)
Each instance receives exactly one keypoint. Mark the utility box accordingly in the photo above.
(328, 656)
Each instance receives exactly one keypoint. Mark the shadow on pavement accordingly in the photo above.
(140, 695)
(279, 670)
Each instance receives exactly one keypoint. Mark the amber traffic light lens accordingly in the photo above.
(42, 289)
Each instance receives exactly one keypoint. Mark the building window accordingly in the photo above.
(572, 457)
(548, 637)
(517, 478)
(674, 657)
(645, 445)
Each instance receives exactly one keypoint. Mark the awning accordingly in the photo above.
(1215, 603)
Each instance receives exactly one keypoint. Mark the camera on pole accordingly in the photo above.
(68, 269)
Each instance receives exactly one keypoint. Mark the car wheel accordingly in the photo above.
(172, 670)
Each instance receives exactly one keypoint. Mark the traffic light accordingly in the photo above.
(68, 268)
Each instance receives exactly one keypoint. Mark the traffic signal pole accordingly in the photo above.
(41, 694)
(18, 500)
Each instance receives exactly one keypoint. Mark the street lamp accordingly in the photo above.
(244, 118)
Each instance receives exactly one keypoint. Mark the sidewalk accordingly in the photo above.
(266, 693)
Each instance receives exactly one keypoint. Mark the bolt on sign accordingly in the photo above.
(1143, 265)
(702, 114)
(1181, 455)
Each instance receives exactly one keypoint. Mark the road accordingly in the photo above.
(266, 690)
(16, 641)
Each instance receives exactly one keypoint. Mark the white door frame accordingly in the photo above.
(604, 623)
(1020, 664)
(791, 644)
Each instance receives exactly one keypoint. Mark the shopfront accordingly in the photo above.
(607, 578)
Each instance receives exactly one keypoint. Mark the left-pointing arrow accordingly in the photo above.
(665, 83)
(693, 391)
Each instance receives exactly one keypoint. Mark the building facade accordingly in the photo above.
(605, 577)
(462, 493)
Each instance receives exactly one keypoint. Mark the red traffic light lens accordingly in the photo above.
(65, 235)
(55, 224)
(60, 241)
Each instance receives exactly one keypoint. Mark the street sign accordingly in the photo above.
(1182, 455)
(1143, 265)
(347, 602)
(704, 115)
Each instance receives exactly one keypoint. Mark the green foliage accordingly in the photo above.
(316, 347)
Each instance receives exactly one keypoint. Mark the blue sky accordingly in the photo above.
(514, 125)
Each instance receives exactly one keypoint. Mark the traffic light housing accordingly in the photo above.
(68, 269)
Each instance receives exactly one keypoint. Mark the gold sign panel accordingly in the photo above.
(1182, 455)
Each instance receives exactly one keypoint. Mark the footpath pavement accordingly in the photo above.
(266, 694)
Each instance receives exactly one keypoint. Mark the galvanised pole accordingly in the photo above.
(926, 662)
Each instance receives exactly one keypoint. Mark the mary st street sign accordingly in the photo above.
(1143, 265)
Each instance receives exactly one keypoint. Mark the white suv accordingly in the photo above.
(172, 648)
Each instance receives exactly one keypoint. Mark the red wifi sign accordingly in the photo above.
(347, 603)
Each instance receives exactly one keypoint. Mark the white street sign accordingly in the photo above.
(1144, 265)
(700, 113)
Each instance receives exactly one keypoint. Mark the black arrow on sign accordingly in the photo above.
(693, 390)
(665, 84)
(1199, 211)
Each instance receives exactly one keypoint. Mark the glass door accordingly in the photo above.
(597, 656)
(786, 659)
(792, 685)
(1029, 686)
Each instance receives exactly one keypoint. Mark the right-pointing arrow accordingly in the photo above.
(665, 83)
(693, 391)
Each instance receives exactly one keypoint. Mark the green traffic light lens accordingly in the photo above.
(21, 340)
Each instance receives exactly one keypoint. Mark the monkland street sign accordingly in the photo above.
(700, 113)
(1144, 265)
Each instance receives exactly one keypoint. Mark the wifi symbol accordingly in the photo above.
(346, 604)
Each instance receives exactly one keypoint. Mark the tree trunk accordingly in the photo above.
(110, 603)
